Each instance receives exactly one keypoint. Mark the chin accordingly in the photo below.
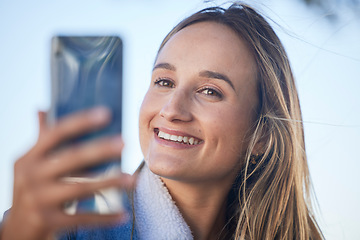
(167, 168)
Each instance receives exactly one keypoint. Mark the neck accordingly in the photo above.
(203, 207)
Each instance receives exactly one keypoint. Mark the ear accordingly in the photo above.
(260, 145)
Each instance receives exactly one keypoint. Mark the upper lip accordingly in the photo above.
(176, 132)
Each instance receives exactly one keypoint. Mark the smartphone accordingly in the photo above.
(86, 71)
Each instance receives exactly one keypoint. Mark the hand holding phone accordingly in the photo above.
(86, 72)
(39, 187)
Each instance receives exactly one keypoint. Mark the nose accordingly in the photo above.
(177, 108)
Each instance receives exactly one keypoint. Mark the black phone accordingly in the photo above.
(86, 71)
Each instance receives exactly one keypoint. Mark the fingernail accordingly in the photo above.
(99, 114)
(117, 142)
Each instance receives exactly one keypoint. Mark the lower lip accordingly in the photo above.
(173, 144)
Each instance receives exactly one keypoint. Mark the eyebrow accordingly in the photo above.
(167, 66)
(205, 73)
(216, 75)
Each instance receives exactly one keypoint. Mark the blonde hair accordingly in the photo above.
(269, 200)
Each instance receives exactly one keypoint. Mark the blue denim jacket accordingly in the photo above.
(123, 231)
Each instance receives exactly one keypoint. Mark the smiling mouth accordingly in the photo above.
(177, 138)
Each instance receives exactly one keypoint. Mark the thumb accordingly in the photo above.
(42, 122)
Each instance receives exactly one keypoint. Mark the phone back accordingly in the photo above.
(86, 71)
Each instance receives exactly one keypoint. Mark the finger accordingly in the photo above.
(79, 188)
(90, 219)
(71, 126)
(42, 122)
(31, 153)
(81, 156)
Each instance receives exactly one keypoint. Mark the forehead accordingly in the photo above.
(209, 46)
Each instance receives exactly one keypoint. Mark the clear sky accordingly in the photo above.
(325, 57)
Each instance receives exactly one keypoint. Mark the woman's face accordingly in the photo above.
(196, 117)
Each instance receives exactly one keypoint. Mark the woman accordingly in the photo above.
(222, 138)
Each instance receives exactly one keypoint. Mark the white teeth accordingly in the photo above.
(167, 136)
(176, 138)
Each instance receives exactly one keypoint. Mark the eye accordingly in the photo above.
(163, 82)
(211, 92)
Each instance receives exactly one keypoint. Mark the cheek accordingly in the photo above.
(231, 128)
(147, 113)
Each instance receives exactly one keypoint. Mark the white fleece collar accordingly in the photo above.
(156, 215)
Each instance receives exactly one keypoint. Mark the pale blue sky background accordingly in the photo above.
(325, 57)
